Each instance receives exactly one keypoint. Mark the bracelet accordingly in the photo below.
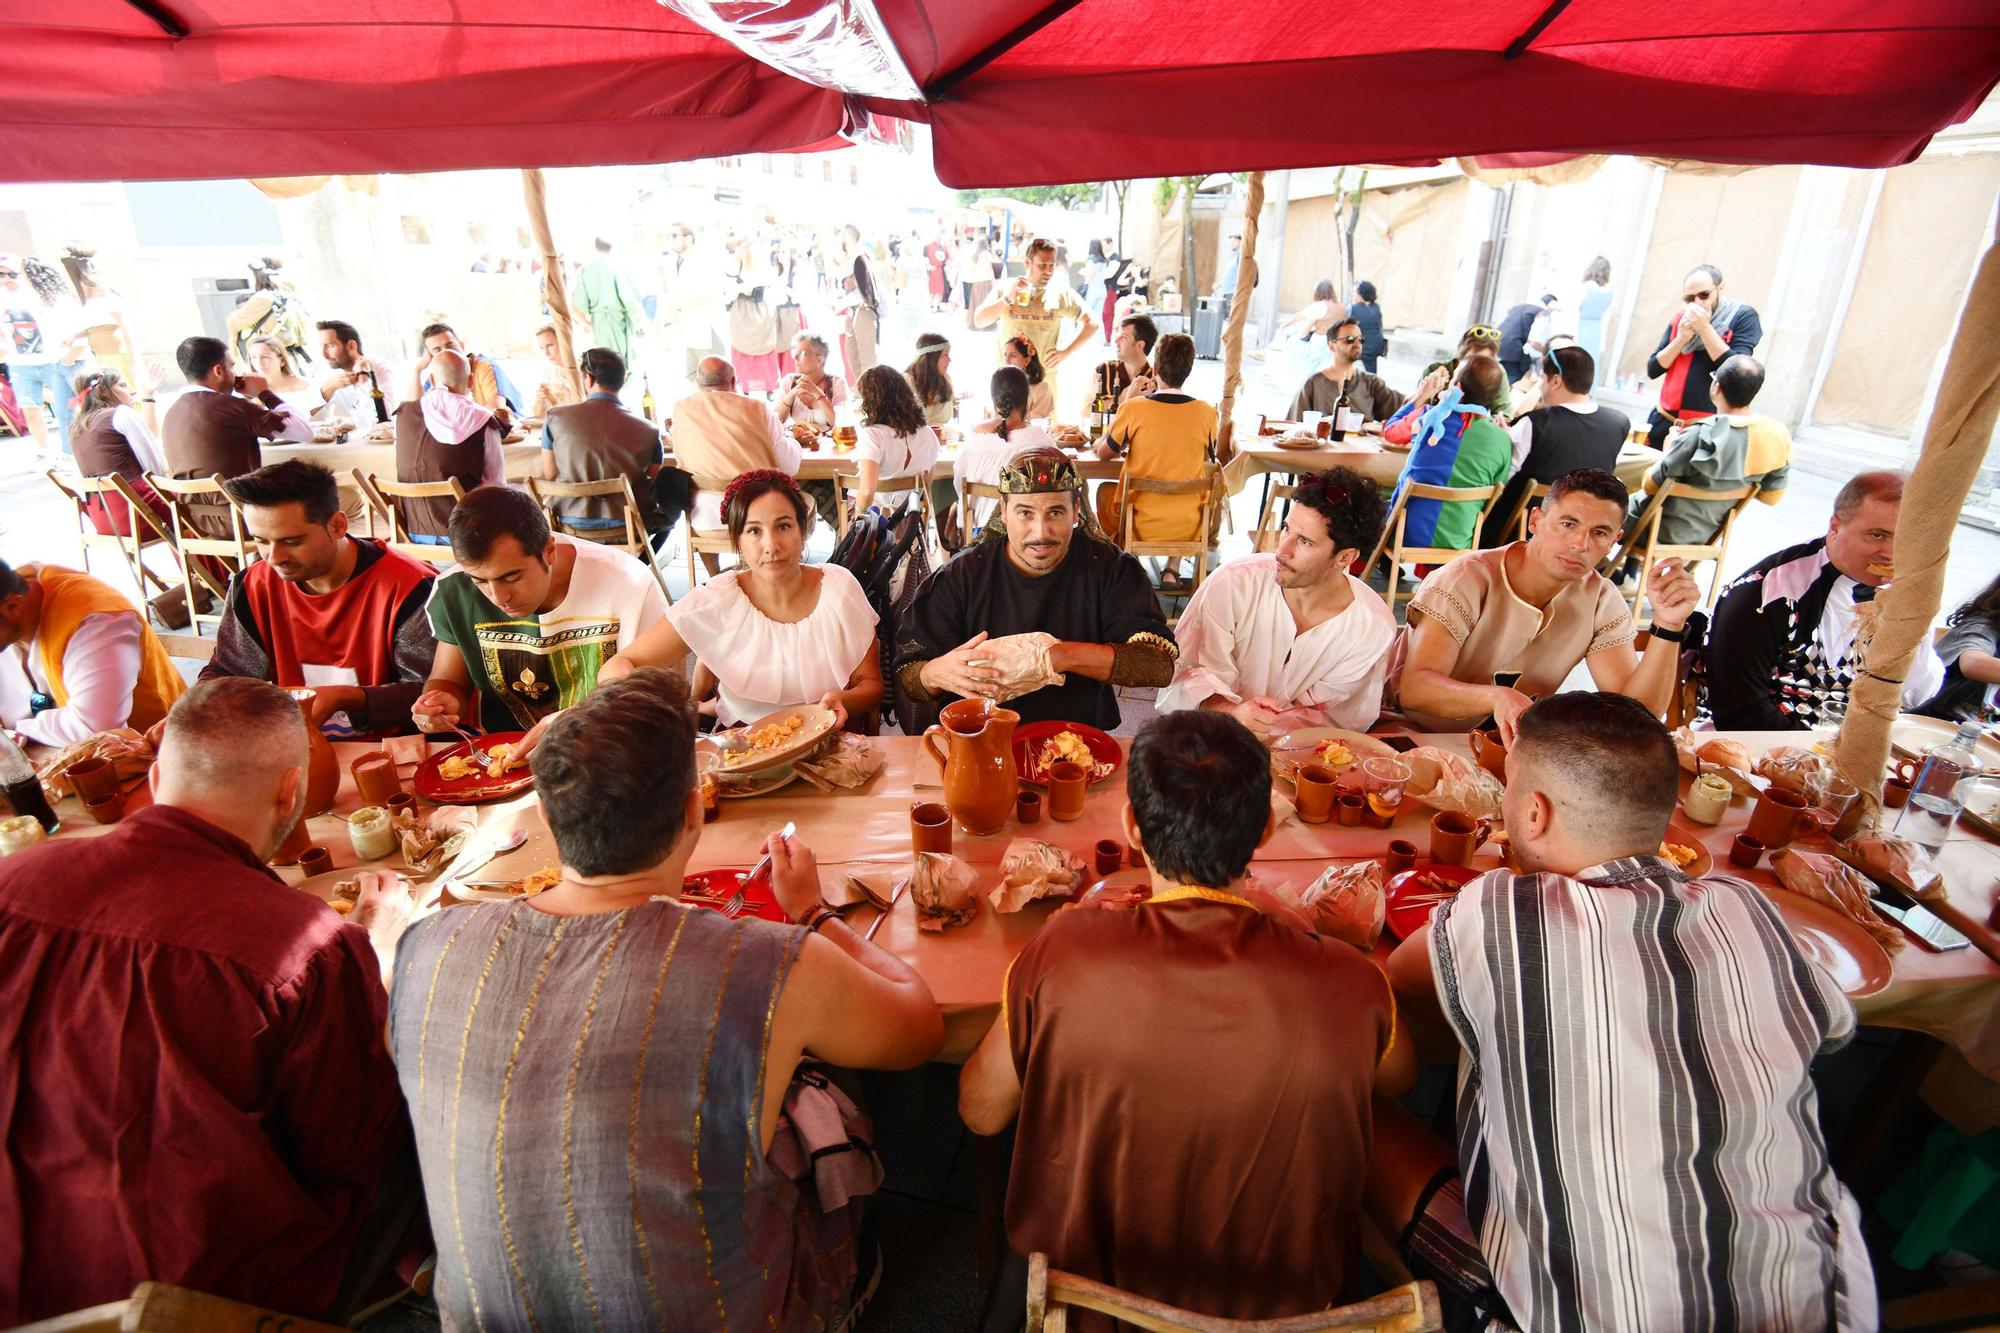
(1670, 635)
(816, 916)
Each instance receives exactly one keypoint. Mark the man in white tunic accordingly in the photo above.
(1293, 639)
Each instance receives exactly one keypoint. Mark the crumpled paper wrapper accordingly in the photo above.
(849, 761)
(1033, 869)
(1282, 808)
(1447, 781)
(127, 750)
(428, 839)
(872, 882)
(1023, 663)
(1348, 903)
(1897, 862)
(1846, 890)
(945, 891)
(1788, 766)
(1688, 745)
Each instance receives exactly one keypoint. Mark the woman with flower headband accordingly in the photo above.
(776, 632)
(929, 376)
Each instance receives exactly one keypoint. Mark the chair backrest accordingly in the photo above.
(1391, 542)
(632, 537)
(1052, 1294)
(183, 494)
(1129, 485)
(1517, 522)
(1644, 544)
(381, 494)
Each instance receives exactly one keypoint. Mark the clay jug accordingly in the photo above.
(979, 776)
(322, 769)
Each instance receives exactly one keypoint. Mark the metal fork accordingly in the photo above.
(734, 906)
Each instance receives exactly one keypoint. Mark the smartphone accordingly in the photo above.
(1400, 744)
(1927, 927)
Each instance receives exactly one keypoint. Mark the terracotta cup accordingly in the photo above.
(1778, 817)
(1352, 805)
(1028, 807)
(1746, 852)
(1489, 751)
(930, 827)
(1067, 782)
(1316, 792)
(106, 809)
(400, 802)
(1109, 855)
(315, 860)
(93, 778)
(1133, 855)
(1401, 856)
(1455, 837)
(295, 842)
(1895, 794)
(375, 777)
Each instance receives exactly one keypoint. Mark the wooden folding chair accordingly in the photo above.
(1264, 537)
(379, 496)
(710, 544)
(1392, 543)
(185, 499)
(1517, 522)
(146, 530)
(1052, 1294)
(1644, 545)
(630, 536)
(1196, 546)
(843, 508)
(978, 490)
(155, 1307)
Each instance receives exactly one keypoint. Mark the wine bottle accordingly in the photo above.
(375, 394)
(1340, 411)
(21, 787)
(646, 406)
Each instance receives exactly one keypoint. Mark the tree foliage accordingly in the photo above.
(1080, 194)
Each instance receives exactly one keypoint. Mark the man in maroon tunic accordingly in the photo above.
(194, 1085)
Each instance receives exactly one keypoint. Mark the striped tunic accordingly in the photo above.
(1638, 1128)
(586, 1093)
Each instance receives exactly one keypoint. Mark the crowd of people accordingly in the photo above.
(212, 1099)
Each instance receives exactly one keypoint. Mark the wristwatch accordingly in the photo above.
(818, 915)
(1670, 635)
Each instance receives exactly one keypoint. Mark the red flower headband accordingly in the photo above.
(762, 476)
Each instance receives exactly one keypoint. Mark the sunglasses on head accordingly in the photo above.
(1482, 333)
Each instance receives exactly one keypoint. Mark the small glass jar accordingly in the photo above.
(19, 833)
(708, 772)
(373, 836)
(1707, 799)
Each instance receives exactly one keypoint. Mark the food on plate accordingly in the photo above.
(1066, 746)
(1070, 435)
(345, 894)
(945, 891)
(542, 879)
(1679, 853)
(1897, 862)
(1726, 752)
(1335, 754)
(499, 759)
(805, 432)
(750, 743)
(1841, 887)
(491, 762)
(455, 767)
(1788, 766)
(382, 433)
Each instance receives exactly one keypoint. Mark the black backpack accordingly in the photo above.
(888, 557)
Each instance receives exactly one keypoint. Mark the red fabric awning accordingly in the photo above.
(96, 89)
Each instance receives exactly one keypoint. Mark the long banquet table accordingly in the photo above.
(1953, 996)
(1364, 454)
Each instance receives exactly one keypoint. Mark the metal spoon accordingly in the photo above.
(507, 843)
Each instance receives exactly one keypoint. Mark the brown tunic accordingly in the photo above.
(102, 450)
(1195, 1120)
(422, 456)
(208, 434)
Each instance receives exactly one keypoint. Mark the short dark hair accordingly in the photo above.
(488, 513)
(1333, 330)
(888, 400)
(1714, 273)
(1144, 329)
(1610, 745)
(199, 355)
(1739, 379)
(605, 367)
(1174, 358)
(12, 584)
(613, 773)
(342, 330)
(1481, 380)
(1591, 481)
(750, 487)
(1574, 367)
(1324, 289)
(1351, 505)
(432, 330)
(1040, 245)
(1200, 788)
(1365, 290)
(294, 481)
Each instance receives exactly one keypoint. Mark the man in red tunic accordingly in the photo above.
(342, 614)
(194, 1086)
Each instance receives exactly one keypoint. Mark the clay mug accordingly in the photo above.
(93, 778)
(1745, 852)
(930, 827)
(1455, 837)
(1352, 806)
(1778, 817)
(1488, 749)
(1402, 855)
(1316, 791)
(1110, 855)
(1067, 784)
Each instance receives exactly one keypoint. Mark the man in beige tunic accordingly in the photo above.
(720, 433)
(1496, 629)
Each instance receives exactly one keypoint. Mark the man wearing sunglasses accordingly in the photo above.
(1706, 331)
(1028, 306)
(1367, 394)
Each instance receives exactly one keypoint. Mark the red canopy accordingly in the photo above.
(1016, 92)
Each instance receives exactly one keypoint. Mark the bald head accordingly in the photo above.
(714, 373)
(1481, 379)
(234, 753)
(452, 371)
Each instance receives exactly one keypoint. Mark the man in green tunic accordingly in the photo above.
(608, 301)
